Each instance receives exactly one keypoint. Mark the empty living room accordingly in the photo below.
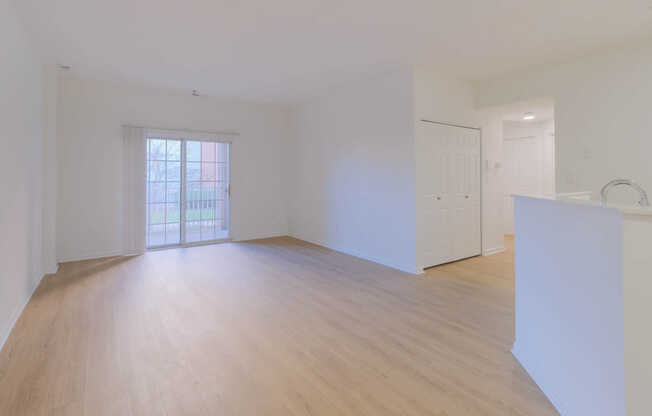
(309, 207)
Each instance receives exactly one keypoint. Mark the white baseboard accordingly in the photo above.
(259, 237)
(53, 269)
(495, 250)
(18, 310)
(90, 256)
(361, 256)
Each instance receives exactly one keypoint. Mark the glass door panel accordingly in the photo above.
(163, 211)
(206, 191)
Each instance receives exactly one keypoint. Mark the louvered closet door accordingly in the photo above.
(451, 193)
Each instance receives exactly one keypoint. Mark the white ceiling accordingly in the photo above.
(283, 50)
(543, 110)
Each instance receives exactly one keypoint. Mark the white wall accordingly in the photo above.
(493, 238)
(441, 99)
(356, 163)
(348, 165)
(49, 212)
(602, 115)
(444, 99)
(90, 166)
(351, 170)
(637, 287)
(569, 325)
(20, 169)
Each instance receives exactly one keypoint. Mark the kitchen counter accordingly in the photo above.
(583, 302)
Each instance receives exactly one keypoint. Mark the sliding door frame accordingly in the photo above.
(183, 198)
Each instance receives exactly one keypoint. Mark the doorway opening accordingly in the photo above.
(188, 192)
(528, 143)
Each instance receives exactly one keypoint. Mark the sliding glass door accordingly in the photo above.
(163, 192)
(187, 191)
(206, 177)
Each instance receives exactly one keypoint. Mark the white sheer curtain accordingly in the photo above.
(134, 190)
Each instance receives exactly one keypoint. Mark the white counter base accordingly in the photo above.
(569, 306)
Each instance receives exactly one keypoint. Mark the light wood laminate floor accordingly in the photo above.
(270, 327)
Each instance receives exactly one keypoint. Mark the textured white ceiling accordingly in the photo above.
(543, 110)
(283, 50)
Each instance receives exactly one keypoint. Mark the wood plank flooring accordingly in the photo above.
(270, 327)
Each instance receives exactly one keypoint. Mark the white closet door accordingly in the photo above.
(437, 195)
(466, 180)
(452, 193)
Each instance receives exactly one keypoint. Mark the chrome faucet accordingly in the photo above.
(616, 182)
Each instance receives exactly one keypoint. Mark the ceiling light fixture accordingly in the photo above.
(528, 116)
(195, 93)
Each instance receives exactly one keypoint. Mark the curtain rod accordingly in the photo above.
(218, 133)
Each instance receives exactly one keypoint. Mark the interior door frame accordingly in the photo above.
(482, 176)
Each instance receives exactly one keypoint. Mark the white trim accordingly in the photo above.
(227, 196)
(482, 195)
(18, 311)
(191, 244)
(120, 253)
(362, 256)
(134, 194)
(453, 260)
(183, 197)
(185, 132)
(95, 255)
(495, 250)
(51, 270)
(180, 135)
(443, 123)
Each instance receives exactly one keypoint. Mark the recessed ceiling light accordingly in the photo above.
(528, 116)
